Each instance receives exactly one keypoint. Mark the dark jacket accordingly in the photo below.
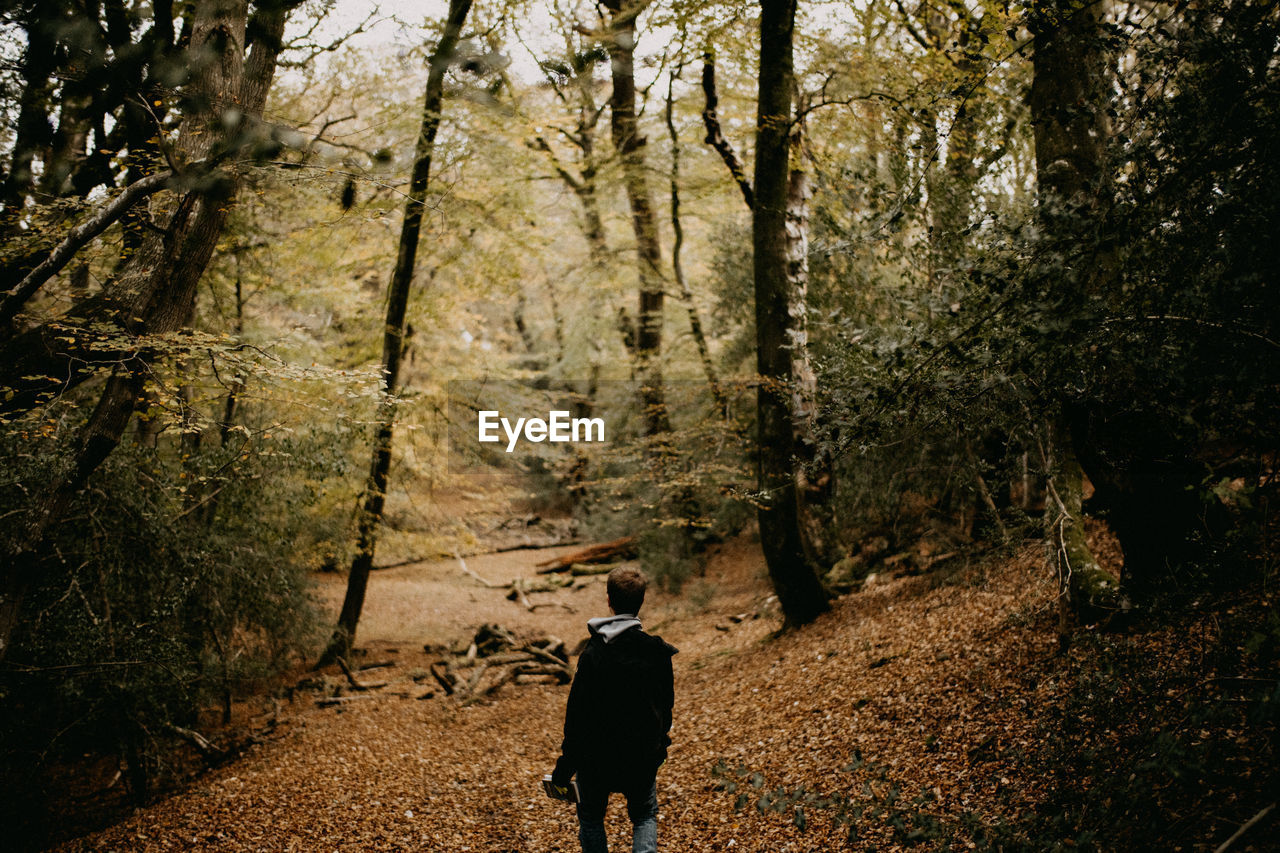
(619, 710)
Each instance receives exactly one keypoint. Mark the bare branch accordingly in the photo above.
(541, 144)
(315, 50)
(715, 136)
(76, 240)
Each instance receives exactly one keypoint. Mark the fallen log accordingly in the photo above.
(499, 659)
(533, 607)
(535, 546)
(521, 587)
(623, 548)
(402, 563)
(541, 672)
(382, 664)
(579, 570)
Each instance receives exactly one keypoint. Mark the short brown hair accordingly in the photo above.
(626, 588)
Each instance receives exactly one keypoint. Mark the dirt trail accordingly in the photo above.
(435, 602)
(395, 773)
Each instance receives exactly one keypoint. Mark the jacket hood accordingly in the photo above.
(609, 628)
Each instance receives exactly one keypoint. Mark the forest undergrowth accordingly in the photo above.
(934, 711)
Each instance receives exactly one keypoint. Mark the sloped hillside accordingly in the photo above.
(935, 711)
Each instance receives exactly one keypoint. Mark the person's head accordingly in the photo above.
(626, 590)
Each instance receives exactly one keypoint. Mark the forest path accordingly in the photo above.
(906, 671)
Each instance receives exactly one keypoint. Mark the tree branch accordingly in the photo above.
(715, 136)
(76, 239)
(540, 144)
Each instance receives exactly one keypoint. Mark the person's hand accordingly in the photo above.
(563, 774)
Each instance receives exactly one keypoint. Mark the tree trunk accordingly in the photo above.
(231, 406)
(393, 339)
(1068, 112)
(814, 472)
(790, 565)
(155, 292)
(33, 130)
(629, 146)
(677, 243)
(1086, 591)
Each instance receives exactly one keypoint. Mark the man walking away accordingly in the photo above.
(618, 717)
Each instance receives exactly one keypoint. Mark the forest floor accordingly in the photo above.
(921, 708)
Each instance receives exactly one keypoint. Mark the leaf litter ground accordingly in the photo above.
(912, 707)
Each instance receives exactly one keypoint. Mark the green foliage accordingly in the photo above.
(1177, 754)
(875, 804)
(1167, 375)
(176, 584)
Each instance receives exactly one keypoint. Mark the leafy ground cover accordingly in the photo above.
(933, 711)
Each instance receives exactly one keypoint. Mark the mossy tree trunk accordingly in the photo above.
(1068, 102)
(791, 568)
(814, 470)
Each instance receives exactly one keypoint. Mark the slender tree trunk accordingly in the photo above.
(33, 131)
(677, 243)
(231, 406)
(629, 146)
(790, 564)
(715, 134)
(951, 198)
(370, 520)
(583, 186)
(1068, 112)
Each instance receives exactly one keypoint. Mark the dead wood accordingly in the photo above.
(556, 673)
(355, 683)
(403, 563)
(549, 655)
(466, 571)
(491, 639)
(517, 594)
(536, 546)
(521, 587)
(208, 750)
(488, 660)
(528, 660)
(484, 666)
(445, 678)
(1226, 845)
(623, 548)
(579, 570)
(566, 607)
(329, 701)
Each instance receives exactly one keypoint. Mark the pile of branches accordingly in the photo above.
(497, 657)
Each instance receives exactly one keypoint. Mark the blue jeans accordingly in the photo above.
(642, 808)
